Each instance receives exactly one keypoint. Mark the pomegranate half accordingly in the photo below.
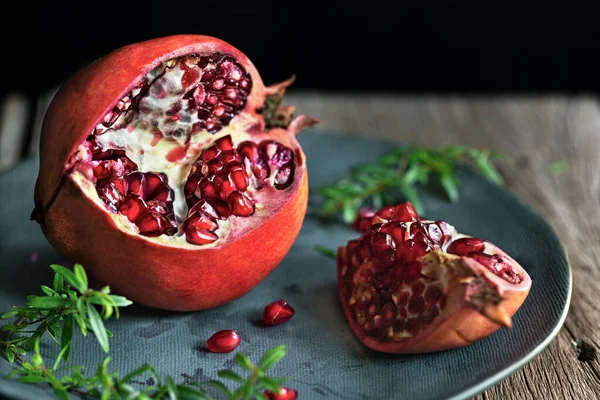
(172, 173)
(410, 285)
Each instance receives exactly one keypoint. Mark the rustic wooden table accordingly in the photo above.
(537, 132)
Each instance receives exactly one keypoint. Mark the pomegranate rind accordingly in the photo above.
(460, 324)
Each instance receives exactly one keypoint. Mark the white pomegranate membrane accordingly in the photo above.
(388, 294)
(174, 158)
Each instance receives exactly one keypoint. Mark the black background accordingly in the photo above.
(507, 46)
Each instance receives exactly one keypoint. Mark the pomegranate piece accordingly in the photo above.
(409, 285)
(185, 172)
(224, 341)
(284, 394)
(277, 312)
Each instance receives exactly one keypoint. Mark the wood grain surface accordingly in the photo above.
(536, 132)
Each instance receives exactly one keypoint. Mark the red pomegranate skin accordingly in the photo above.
(148, 273)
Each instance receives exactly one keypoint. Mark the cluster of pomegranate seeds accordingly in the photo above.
(218, 184)
(277, 313)
(224, 341)
(388, 295)
(221, 92)
(284, 394)
(145, 198)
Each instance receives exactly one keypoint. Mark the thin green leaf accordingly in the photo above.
(219, 386)
(226, 374)
(63, 353)
(49, 302)
(450, 185)
(48, 291)
(247, 390)
(67, 334)
(58, 283)
(81, 323)
(271, 357)
(68, 276)
(144, 369)
(120, 301)
(325, 251)
(106, 394)
(270, 384)
(10, 354)
(59, 389)
(98, 327)
(81, 277)
(349, 212)
(187, 393)
(10, 314)
(171, 388)
(259, 396)
(30, 343)
(410, 194)
(31, 379)
(243, 361)
(487, 169)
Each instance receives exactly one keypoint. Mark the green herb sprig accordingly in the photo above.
(105, 384)
(398, 173)
(69, 303)
(65, 305)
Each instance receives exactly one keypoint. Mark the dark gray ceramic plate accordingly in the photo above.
(324, 359)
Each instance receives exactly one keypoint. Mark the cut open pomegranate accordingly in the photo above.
(410, 285)
(165, 167)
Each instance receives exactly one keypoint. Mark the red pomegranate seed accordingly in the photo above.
(240, 205)
(224, 187)
(153, 182)
(284, 394)
(248, 150)
(228, 156)
(163, 193)
(132, 207)
(136, 183)
(277, 313)
(209, 153)
(239, 179)
(109, 192)
(102, 170)
(225, 143)
(224, 341)
(151, 223)
(405, 212)
(201, 221)
(464, 246)
(200, 236)
(206, 190)
(213, 166)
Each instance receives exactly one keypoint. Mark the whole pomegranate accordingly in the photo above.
(409, 285)
(172, 173)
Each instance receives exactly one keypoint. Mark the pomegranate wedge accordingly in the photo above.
(172, 173)
(410, 285)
